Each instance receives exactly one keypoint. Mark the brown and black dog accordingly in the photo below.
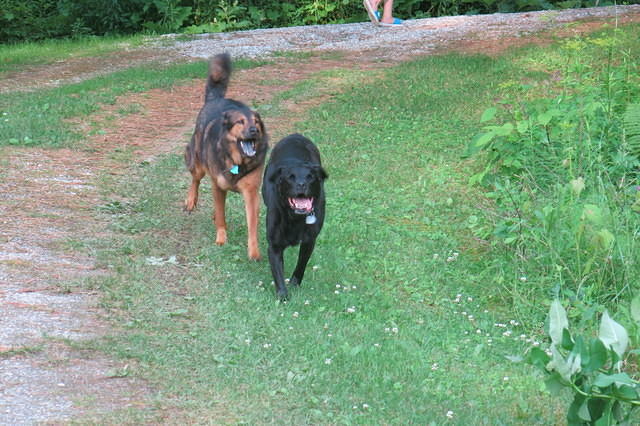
(229, 144)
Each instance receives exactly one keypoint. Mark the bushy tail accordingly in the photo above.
(218, 80)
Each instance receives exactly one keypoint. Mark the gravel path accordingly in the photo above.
(415, 37)
(47, 197)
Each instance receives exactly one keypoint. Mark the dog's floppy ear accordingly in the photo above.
(227, 120)
(275, 174)
(320, 172)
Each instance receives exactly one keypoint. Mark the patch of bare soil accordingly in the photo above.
(48, 197)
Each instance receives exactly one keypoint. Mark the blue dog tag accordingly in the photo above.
(234, 170)
(310, 219)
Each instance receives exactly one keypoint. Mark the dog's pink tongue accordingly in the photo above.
(302, 203)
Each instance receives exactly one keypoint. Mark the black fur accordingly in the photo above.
(294, 172)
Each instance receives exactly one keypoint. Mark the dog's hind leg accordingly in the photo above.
(192, 196)
(306, 248)
(252, 209)
(276, 261)
(219, 198)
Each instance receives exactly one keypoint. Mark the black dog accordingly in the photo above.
(293, 191)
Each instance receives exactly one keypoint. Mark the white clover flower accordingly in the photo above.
(266, 345)
(307, 302)
(247, 341)
(328, 361)
(435, 256)
(450, 259)
(478, 331)
(338, 286)
(395, 330)
(505, 378)
(449, 414)
(351, 309)
(376, 345)
(336, 292)
(470, 317)
(296, 314)
(464, 313)
(434, 366)
(469, 299)
(523, 278)
(315, 267)
(365, 406)
(507, 333)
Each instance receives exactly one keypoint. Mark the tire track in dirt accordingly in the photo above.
(48, 201)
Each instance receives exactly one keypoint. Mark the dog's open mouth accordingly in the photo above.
(301, 205)
(248, 147)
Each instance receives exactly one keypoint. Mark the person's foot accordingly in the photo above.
(393, 22)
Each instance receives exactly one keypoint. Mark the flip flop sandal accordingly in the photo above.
(396, 23)
(373, 14)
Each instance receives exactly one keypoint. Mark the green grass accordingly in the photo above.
(17, 55)
(377, 333)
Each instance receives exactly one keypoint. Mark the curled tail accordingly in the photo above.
(218, 80)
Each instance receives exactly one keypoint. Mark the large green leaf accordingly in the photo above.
(613, 335)
(488, 114)
(603, 380)
(557, 322)
(597, 356)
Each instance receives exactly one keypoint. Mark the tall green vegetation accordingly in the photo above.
(41, 19)
(562, 171)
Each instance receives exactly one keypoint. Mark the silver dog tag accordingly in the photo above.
(310, 219)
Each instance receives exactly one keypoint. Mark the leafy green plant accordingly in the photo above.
(558, 172)
(172, 15)
(631, 121)
(591, 368)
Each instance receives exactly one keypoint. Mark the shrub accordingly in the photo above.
(563, 177)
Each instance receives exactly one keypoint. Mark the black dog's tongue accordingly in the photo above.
(301, 205)
(248, 147)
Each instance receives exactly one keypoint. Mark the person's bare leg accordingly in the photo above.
(387, 12)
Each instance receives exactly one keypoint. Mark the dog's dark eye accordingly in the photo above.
(241, 122)
(292, 177)
(309, 176)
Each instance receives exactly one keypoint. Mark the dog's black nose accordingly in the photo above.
(253, 131)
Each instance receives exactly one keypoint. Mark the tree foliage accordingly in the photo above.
(40, 19)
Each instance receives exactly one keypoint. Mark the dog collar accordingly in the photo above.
(310, 219)
(234, 170)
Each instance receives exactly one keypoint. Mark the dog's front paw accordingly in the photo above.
(282, 295)
(221, 237)
(189, 205)
(294, 282)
